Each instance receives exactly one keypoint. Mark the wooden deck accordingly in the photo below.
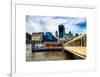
(79, 51)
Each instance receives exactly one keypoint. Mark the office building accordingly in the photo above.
(61, 31)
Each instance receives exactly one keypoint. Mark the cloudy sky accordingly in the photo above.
(50, 24)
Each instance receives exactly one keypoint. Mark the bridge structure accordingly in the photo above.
(77, 46)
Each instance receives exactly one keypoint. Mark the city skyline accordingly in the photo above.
(50, 24)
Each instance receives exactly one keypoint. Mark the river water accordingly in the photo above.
(46, 55)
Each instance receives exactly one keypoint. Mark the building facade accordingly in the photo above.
(37, 37)
(61, 31)
(37, 40)
(68, 36)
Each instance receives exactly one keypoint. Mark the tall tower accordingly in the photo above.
(61, 30)
(56, 33)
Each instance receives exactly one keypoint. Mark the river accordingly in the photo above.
(47, 55)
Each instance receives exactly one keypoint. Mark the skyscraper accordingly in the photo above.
(56, 33)
(61, 31)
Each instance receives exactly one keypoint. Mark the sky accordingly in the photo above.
(50, 24)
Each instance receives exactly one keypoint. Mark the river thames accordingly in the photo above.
(48, 55)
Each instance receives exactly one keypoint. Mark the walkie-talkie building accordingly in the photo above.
(61, 31)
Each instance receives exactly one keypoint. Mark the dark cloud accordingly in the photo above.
(81, 24)
(50, 23)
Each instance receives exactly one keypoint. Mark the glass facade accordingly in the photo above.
(61, 31)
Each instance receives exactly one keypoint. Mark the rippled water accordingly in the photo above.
(45, 55)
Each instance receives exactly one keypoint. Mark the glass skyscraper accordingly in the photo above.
(61, 31)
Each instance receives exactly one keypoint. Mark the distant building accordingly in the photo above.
(37, 40)
(68, 36)
(37, 37)
(56, 33)
(28, 38)
(61, 40)
(49, 37)
(76, 35)
(61, 31)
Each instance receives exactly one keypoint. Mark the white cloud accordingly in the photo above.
(45, 24)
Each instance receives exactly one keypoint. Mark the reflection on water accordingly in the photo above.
(46, 55)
